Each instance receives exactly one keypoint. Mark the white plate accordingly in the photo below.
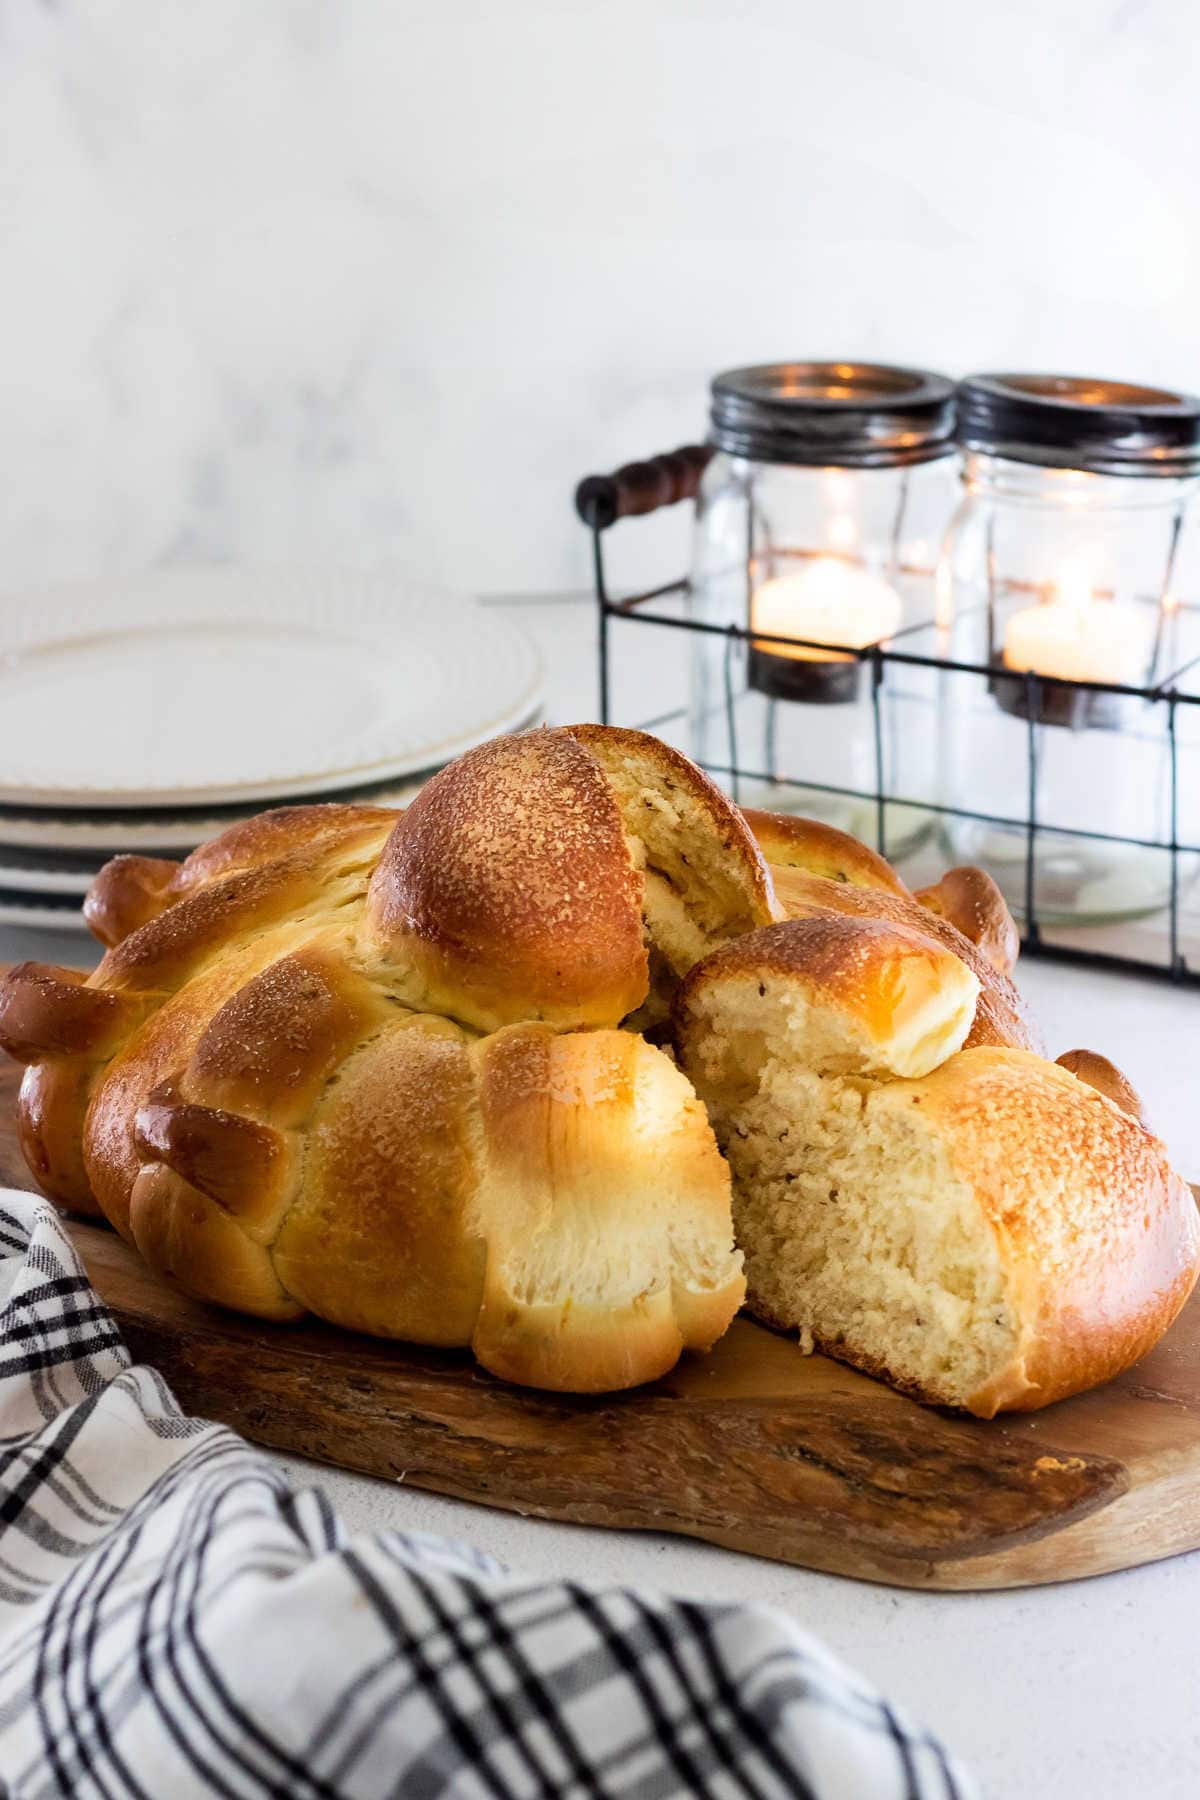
(205, 686)
(174, 831)
(58, 913)
(47, 872)
(171, 831)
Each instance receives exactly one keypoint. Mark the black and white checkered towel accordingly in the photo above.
(175, 1620)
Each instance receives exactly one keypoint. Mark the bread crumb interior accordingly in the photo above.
(857, 1231)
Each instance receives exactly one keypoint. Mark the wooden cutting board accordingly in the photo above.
(754, 1447)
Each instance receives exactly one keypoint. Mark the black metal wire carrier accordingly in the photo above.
(642, 487)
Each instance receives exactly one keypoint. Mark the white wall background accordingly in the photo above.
(365, 280)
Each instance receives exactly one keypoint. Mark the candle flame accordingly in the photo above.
(1073, 589)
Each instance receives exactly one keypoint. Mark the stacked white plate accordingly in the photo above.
(147, 716)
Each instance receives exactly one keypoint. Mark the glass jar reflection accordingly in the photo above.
(1067, 573)
(817, 526)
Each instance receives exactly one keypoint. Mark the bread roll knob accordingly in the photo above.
(789, 841)
(127, 893)
(970, 900)
(1106, 1078)
(45, 1011)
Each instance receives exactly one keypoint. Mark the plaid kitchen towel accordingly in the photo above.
(176, 1620)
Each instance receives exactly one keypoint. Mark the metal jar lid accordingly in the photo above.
(1078, 422)
(840, 414)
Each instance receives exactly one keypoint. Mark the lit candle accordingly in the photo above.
(1075, 637)
(829, 602)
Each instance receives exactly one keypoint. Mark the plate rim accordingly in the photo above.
(22, 911)
(139, 836)
(330, 781)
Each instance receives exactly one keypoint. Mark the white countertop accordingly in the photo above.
(1090, 1688)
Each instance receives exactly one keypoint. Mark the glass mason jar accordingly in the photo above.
(1065, 575)
(818, 523)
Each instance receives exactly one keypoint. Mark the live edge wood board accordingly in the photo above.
(754, 1447)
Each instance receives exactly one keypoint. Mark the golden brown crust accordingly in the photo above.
(280, 833)
(241, 1090)
(155, 992)
(167, 950)
(270, 1049)
(46, 1011)
(461, 1194)
(128, 892)
(970, 900)
(153, 1054)
(191, 1238)
(848, 963)
(383, 1235)
(231, 1159)
(508, 890)
(244, 1091)
(1096, 1239)
(50, 1118)
(1099, 1236)
(64, 1030)
(1000, 1016)
(790, 842)
(1105, 1077)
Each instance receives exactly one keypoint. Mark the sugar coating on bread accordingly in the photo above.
(565, 876)
(381, 1235)
(993, 1234)
(508, 892)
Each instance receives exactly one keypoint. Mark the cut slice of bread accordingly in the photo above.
(986, 1231)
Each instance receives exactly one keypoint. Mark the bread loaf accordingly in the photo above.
(390, 1069)
(978, 1225)
(332, 1062)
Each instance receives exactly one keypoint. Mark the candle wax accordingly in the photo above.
(1097, 641)
(830, 602)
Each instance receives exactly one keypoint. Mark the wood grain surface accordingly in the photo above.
(754, 1447)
